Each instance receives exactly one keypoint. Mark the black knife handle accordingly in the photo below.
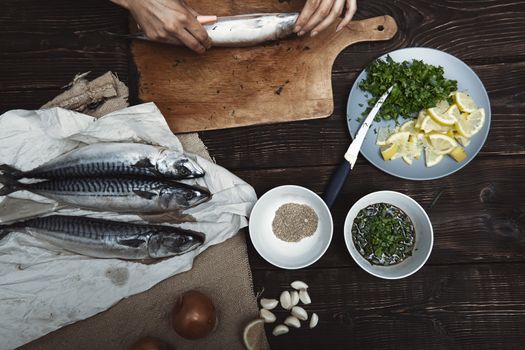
(336, 183)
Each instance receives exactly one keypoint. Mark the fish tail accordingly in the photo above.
(10, 171)
(9, 184)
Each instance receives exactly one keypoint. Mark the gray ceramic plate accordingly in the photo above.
(454, 69)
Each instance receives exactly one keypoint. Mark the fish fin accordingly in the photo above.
(132, 242)
(145, 194)
(9, 185)
(144, 163)
(10, 171)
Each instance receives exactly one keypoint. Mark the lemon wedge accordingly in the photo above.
(469, 126)
(432, 158)
(458, 154)
(463, 141)
(409, 126)
(449, 117)
(464, 102)
(382, 136)
(422, 114)
(428, 125)
(389, 151)
(398, 137)
(252, 335)
(442, 144)
(442, 106)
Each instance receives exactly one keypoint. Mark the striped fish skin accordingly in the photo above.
(113, 159)
(110, 239)
(123, 195)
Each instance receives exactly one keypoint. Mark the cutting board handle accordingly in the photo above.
(372, 29)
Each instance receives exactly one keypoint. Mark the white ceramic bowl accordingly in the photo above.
(289, 255)
(422, 225)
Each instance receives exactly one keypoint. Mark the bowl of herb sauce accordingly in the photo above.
(388, 234)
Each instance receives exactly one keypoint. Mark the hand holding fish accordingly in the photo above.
(318, 15)
(170, 21)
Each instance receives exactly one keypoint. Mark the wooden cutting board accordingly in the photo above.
(231, 87)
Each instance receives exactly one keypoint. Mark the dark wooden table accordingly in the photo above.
(471, 293)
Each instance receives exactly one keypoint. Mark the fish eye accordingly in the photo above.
(188, 195)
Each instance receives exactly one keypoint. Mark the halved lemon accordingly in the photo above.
(442, 144)
(472, 124)
(464, 102)
(432, 158)
(389, 151)
(253, 335)
(382, 135)
(429, 125)
(449, 117)
(458, 154)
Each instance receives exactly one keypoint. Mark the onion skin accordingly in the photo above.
(194, 315)
(150, 343)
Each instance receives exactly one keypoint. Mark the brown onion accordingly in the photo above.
(150, 343)
(194, 315)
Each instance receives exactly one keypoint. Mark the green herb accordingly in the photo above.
(383, 234)
(417, 86)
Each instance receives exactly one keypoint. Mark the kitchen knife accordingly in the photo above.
(339, 178)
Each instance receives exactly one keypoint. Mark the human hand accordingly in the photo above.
(317, 15)
(169, 21)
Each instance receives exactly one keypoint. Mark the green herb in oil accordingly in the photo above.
(417, 86)
(383, 234)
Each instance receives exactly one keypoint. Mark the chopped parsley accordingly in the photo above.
(417, 86)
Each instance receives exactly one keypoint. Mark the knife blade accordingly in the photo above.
(339, 178)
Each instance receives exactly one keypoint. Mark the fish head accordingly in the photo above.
(186, 196)
(178, 166)
(169, 243)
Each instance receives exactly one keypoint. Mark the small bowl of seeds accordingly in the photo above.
(388, 234)
(291, 227)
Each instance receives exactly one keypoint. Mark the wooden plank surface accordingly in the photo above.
(470, 294)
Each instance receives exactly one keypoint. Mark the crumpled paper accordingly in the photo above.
(42, 287)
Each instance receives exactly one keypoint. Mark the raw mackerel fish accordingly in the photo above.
(122, 195)
(113, 159)
(109, 239)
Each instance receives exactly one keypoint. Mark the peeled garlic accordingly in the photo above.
(300, 313)
(305, 298)
(269, 304)
(292, 321)
(295, 297)
(267, 316)
(298, 285)
(313, 320)
(280, 329)
(286, 300)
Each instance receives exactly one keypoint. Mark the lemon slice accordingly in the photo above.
(442, 106)
(398, 137)
(472, 124)
(442, 144)
(448, 118)
(464, 141)
(464, 102)
(420, 118)
(389, 151)
(458, 154)
(382, 136)
(253, 335)
(408, 160)
(432, 158)
(428, 125)
(409, 126)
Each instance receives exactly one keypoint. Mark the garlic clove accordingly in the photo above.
(280, 329)
(292, 321)
(298, 285)
(314, 319)
(286, 300)
(305, 297)
(267, 316)
(269, 304)
(295, 297)
(300, 313)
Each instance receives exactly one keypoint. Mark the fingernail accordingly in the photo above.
(297, 28)
(338, 29)
(301, 33)
(313, 34)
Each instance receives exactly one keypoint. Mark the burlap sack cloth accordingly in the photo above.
(222, 271)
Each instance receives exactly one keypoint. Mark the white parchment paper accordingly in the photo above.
(42, 287)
